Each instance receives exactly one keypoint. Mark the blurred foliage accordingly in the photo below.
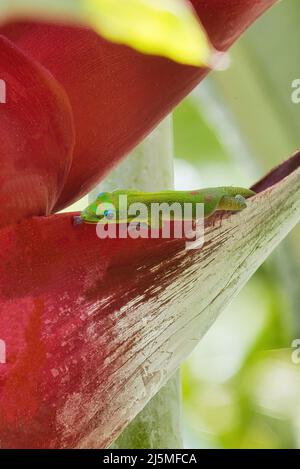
(198, 142)
(241, 388)
(164, 27)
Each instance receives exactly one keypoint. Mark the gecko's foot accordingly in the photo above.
(77, 220)
(134, 226)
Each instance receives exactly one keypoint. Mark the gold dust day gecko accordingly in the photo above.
(106, 206)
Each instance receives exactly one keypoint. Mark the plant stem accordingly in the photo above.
(158, 425)
(150, 168)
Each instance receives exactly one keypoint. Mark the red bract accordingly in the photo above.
(36, 135)
(57, 308)
(94, 327)
(68, 337)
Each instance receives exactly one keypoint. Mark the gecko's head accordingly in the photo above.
(234, 198)
(102, 209)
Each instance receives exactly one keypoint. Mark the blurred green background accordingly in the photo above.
(241, 388)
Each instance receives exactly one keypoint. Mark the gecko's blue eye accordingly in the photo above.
(100, 194)
(109, 214)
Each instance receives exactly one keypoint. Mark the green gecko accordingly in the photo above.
(106, 209)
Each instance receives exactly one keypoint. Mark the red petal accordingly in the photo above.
(278, 173)
(59, 286)
(36, 134)
(226, 20)
(117, 94)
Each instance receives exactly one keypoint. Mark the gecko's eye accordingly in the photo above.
(109, 214)
(100, 194)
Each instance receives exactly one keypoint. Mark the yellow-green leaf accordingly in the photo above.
(163, 27)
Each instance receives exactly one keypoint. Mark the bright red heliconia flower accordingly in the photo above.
(73, 307)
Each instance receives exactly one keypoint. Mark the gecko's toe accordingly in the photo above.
(77, 220)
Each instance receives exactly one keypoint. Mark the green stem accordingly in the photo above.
(150, 168)
(158, 425)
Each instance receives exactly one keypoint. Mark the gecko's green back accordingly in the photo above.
(109, 206)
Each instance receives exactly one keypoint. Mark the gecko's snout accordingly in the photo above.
(233, 203)
(241, 201)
